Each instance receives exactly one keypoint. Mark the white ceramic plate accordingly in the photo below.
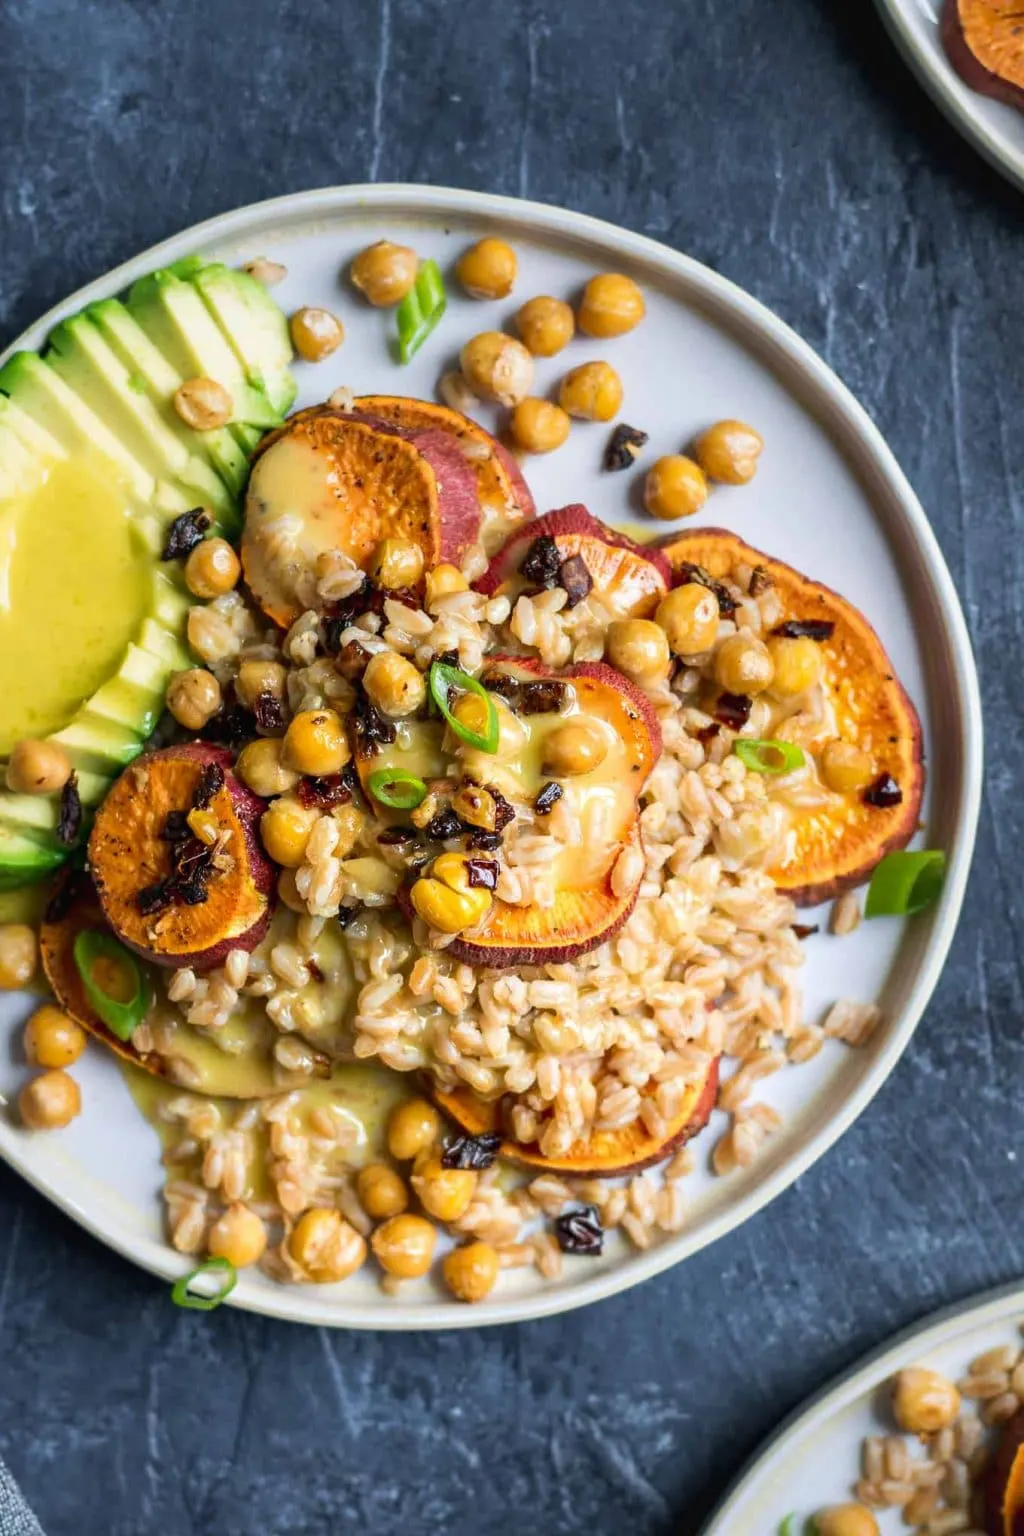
(828, 496)
(814, 1458)
(993, 128)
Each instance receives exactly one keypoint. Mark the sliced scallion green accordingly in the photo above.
(420, 310)
(184, 1294)
(443, 680)
(768, 756)
(906, 882)
(105, 965)
(398, 789)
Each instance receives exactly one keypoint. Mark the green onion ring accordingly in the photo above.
(905, 883)
(395, 788)
(183, 1296)
(768, 756)
(122, 1019)
(420, 310)
(442, 680)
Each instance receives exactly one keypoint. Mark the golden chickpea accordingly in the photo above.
(689, 616)
(675, 487)
(444, 1193)
(316, 333)
(285, 829)
(412, 1127)
(446, 900)
(404, 1246)
(396, 563)
(545, 325)
(384, 273)
(288, 893)
(538, 426)
(239, 1236)
(443, 581)
(37, 768)
(488, 269)
(797, 663)
(50, 1101)
(470, 1272)
(638, 648)
(324, 1245)
(260, 765)
(743, 664)
(19, 955)
(611, 305)
(394, 684)
(845, 768)
(578, 746)
(212, 569)
(381, 1192)
(52, 1039)
(923, 1402)
(591, 392)
(729, 451)
(471, 711)
(497, 368)
(193, 697)
(259, 678)
(203, 404)
(846, 1520)
(315, 743)
(476, 806)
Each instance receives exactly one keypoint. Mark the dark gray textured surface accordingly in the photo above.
(784, 144)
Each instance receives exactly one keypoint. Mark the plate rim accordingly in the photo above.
(953, 96)
(850, 423)
(865, 1375)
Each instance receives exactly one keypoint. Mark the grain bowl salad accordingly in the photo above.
(434, 867)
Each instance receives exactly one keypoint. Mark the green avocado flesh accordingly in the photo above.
(95, 463)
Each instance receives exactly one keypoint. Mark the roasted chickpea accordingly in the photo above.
(488, 269)
(268, 273)
(611, 305)
(846, 1520)
(404, 1246)
(257, 679)
(545, 325)
(203, 404)
(446, 900)
(37, 768)
(578, 746)
(476, 806)
(19, 955)
(239, 1236)
(797, 663)
(315, 743)
(729, 451)
(394, 684)
(52, 1039)
(285, 828)
(412, 1127)
(381, 1192)
(470, 710)
(443, 581)
(288, 893)
(497, 368)
(638, 648)
(538, 426)
(260, 765)
(845, 768)
(444, 1193)
(212, 569)
(315, 333)
(396, 563)
(384, 273)
(689, 616)
(50, 1101)
(923, 1402)
(743, 664)
(471, 1271)
(325, 1247)
(675, 487)
(592, 392)
(193, 697)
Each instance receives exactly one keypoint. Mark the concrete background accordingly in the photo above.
(784, 144)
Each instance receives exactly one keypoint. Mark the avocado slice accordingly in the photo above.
(153, 372)
(23, 860)
(29, 433)
(252, 322)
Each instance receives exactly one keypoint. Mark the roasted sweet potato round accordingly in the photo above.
(631, 578)
(838, 840)
(606, 1153)
(985, 44)
(1004, 1482)
(176, 858)
(330, 480)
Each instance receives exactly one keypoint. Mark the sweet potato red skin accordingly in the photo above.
(969, 67)
(109, 855)
(1000, 1520)
(623, 1152)
(573, 519)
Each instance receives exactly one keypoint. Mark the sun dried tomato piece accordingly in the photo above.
(268, 712)
(732, 709)
(624, 446)
(503, 811)
(323, 794)
(486, 842)
(482, 873)
(884, 793)
(804, 930)
(69, 819)
(690, 572)
(805, 629)
(542, 562)
(185, 533)
(477, 1152)
(546, 697)
(211, 780)
(548, 797)
(445, 825)
(575, 577)
(580, 1231)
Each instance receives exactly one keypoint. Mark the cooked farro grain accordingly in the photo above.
(845, 916)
